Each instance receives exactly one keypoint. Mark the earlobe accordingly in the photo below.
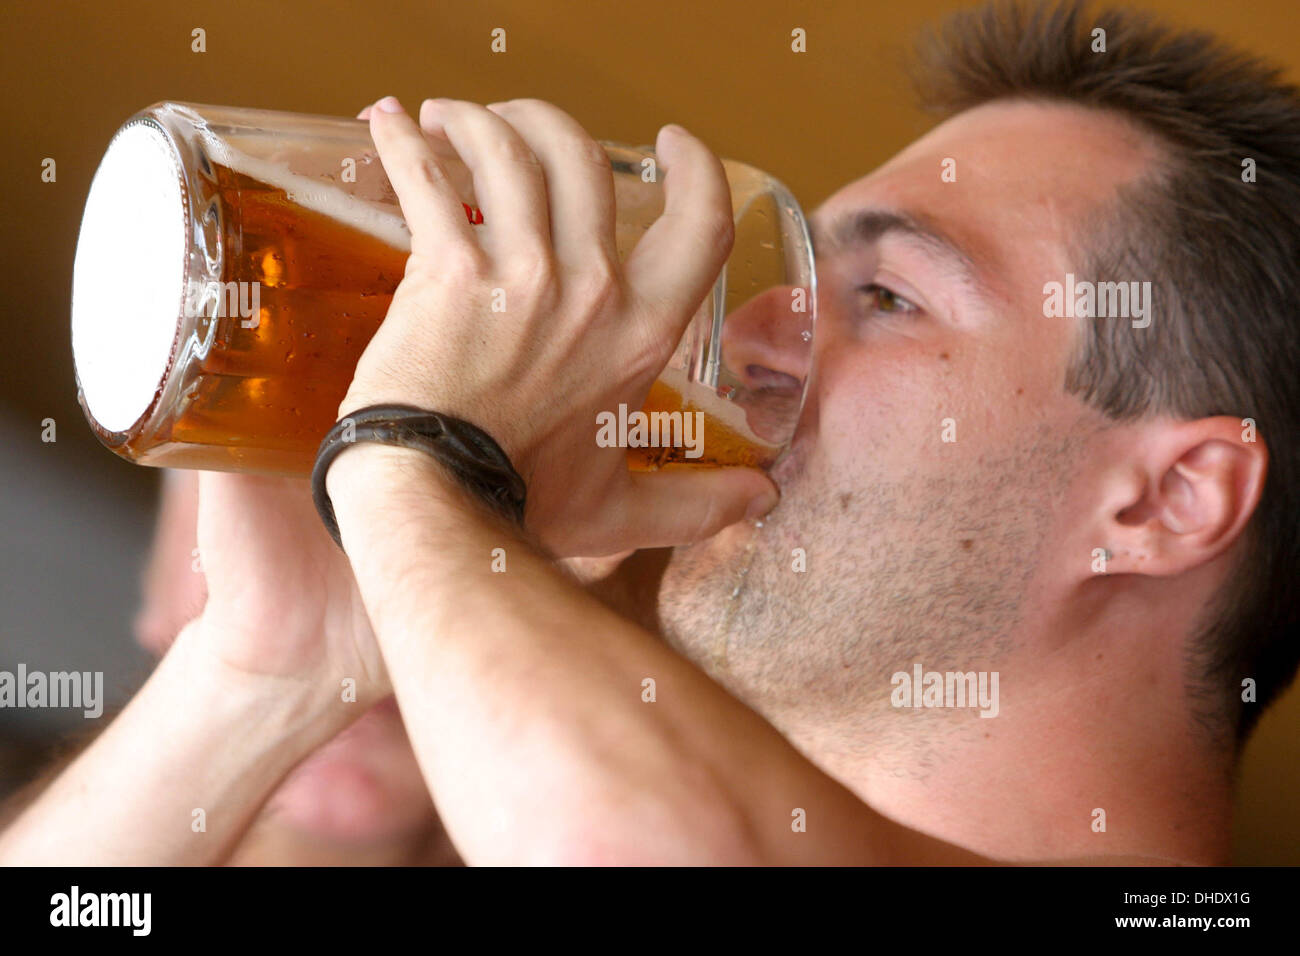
(1202, 484)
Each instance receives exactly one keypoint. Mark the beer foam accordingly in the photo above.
(128, 277)
(707, 400)
(314, 194)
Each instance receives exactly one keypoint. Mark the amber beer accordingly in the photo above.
(325, 288)
(290, 219)
(268, 391)
(725, 442)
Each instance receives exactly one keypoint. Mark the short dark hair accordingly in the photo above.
(1223, 256)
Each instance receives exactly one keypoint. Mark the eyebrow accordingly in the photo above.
(871, 225)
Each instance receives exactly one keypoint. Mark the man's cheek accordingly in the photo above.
(904, 413)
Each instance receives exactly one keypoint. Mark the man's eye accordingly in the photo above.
(880, 299)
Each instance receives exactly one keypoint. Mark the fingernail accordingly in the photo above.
(762, 504)
(389, 104)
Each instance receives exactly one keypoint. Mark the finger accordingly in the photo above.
(678, 259)
(508, 178)
(451, 164)
(429, 202)
(678, 507)
(579, 180)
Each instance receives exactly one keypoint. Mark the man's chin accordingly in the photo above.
(363, 786)
(691, 566)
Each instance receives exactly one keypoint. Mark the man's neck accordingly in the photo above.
(1093, 754)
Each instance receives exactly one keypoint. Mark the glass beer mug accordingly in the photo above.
(233, 264)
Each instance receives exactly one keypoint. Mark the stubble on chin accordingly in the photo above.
(933, 568)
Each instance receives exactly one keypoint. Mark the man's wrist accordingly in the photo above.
(380, 492)
(294, 714)
(371, 473)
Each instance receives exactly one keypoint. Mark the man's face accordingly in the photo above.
(939, 460)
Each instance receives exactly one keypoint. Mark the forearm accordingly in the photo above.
(192, 739)
(524, 700)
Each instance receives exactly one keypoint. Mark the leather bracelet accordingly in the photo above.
(468, 452)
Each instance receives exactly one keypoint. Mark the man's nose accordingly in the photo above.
(767, 342)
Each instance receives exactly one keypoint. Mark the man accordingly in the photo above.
(1092, 514)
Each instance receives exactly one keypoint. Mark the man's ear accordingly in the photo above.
(1183, 496)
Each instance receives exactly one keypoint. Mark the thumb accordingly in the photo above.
(681, 506)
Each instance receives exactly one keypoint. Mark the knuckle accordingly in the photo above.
(459, 264)
(600, 286)
(719, 230)
(426, 169)
(532, 272)
(588, 150)
(417, 268)
(512, 149)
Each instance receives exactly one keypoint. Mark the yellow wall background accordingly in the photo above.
(74, 71)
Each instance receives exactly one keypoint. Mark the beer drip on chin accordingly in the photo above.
(722, 631)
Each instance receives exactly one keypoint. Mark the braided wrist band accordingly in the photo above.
(466, 450)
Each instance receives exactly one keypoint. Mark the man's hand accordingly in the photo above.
(245, 692)
(580, 333)
(282, 601)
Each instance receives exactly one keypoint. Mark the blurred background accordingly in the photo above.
(76, 519)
